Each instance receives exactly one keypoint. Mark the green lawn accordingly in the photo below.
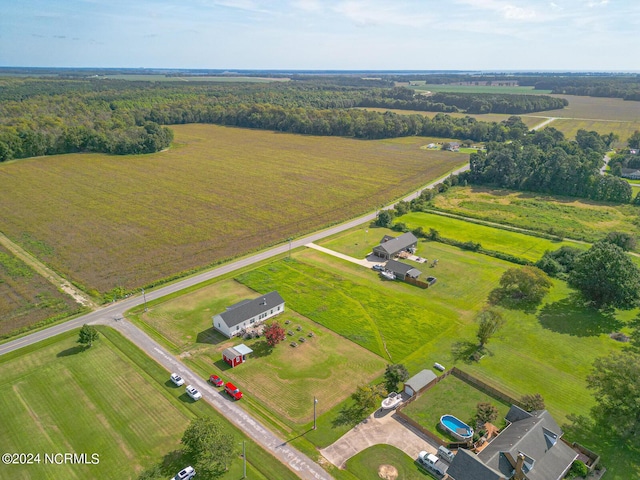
(518, 244)
(324, 366)
(452, 396)
(565, 216)
(366, 465)
(111, 400)
(392, 319)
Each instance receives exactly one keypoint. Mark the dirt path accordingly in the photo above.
(46, 272)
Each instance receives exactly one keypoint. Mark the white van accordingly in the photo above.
(445, 454)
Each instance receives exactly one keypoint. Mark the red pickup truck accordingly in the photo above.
(232, 390)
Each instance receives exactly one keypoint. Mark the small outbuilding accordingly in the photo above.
(402, 270)
(418, 382)
(391, 246)
(234, 356)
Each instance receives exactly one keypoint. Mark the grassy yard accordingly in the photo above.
(57, 396)
(392, 319)
(568, 217)
(26, 298)
(452, 396)
(325, 365)
(368, 464)
(518, 244)
(127, 221)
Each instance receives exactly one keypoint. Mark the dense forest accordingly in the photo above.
(48, 116)
(544, 161)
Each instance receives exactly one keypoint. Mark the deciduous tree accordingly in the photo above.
(526, 284)
(485, 413)
(615, 380)
(607, 277)
(274, 333)
(367, 396)
(532, 402)
(393, 375)
(210, 446)
(489, 322)
(88, 334)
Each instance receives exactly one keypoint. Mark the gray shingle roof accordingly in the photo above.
(241, 311)
(420, 380)
(538, 437)
(466, 466)
(402, 268)
(399, 243)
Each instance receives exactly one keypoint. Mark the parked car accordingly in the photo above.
(177, 379)
(379, 268)
(232, 390)
(185, 474)
(216, 380)
(193, 392)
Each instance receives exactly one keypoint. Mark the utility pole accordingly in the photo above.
(315, 402)
(145, 300)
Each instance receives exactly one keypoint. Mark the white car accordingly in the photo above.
(185, 474)
(193, 393)
(177, 379)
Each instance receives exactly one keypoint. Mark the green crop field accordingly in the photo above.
(517, 244)
(26, 298)
(452, 396)
(481, 89)
(324, 365)
(370, 464)
(126, 221)
(111, 400)
(568, 217)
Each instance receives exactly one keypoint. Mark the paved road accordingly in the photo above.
(302, 465)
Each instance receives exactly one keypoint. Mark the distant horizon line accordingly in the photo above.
(281, 71)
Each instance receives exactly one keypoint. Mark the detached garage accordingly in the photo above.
(418, 382)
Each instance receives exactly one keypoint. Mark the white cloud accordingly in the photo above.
(599, 3)
(307, 5)
(505, 9)
(379, 13)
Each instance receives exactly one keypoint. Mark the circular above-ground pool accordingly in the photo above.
(457, 428)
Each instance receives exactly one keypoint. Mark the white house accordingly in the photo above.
(248, 313)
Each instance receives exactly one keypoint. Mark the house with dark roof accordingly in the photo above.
(248, 313)
(391, 246)
(402, 270)
(528, 448)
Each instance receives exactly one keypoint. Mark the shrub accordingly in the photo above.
(578, 469)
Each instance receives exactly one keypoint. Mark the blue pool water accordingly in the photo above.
(456, 427)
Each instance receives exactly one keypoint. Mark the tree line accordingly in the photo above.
(476, 103)
(122, 117)
(544, 161)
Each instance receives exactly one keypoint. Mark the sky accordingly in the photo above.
(591, 35)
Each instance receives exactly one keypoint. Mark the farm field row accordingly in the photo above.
(26, 298)
(624, 129)
(219, 192)
(56, 397)
(564, 216)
